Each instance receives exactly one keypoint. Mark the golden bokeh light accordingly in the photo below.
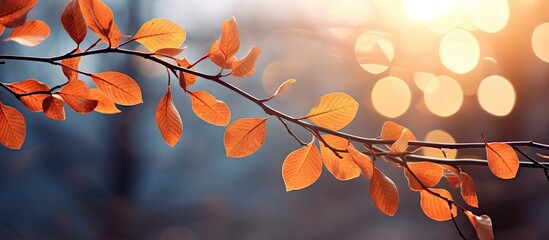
(391, 97)
(446, 22)
(422, 79)
(496, 95)
(441, 136)
(374, 52)
(425, 10)
(488, 15)
(459, 51)
(540, 40)
(443, 96)
(353, 12)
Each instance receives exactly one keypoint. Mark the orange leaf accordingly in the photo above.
(283, 86)
(211, 110)
(343, 168)
(468, 191)
(69, 65)
(302, 167)
(32, 102)
(73, 22)
(363, 161)
(401, 144)
(482, 225)
(333, 111)
(229, 42)
(104, 104)
(168, 120)
(13, 13)
(384, 193)
(119, 87)
(246, 66)
(185, 79)
(53, 107)
(30, 34)
(100, 20)
(163, 52)
(218, 57)
(392, 131)
(435, 207)
(76, 95)
(12, 127)
(244, 136)
(452, 175)
(1, 30)
(502, 160)
(542, 156)
(160, 33)
(428, 173)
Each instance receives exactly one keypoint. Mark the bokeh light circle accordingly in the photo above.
(425, 10)
(374, 52)
(496, 95)
(459, 51)
(540, 40)
(488, 15)
(443, 96)
(440, 136)
(391, 97)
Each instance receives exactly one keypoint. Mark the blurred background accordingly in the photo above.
(448, 70)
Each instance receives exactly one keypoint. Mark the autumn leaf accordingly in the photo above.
(362, 161)
(119, 87)
(104, 104)
(12, 127)
(384, 193)
(452, 175)
(1, 29)
(168, 52)
(229, 42)
(468, 191)
(168, 120)
(343, 168)
(244, 136)
(401, 144)
(76, 95)
(542, 156)
(246, 66)
(13, 13)
(333, 111)
(32, 102)
(73, 22)
(427, 172)
(502, 160)
(160, 33)
(283, 86)
(392, 131)
(302, 167)
(100, 20)
(482, 225)
(218, 57)
(30, 34)
(53, 107)
(211, 110)
(70, 65)
(435, 207)
(185, 79)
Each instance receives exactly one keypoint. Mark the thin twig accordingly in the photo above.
(534, 161)
(291, 132)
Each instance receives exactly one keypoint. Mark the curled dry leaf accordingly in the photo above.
(13, 13)
(229, 41)
(218, 57)
(482, 225)
(12, 127)
(76, 95)
(333, 111)
(401, 144)
(104, 104)
(100, 20)
(53, 107)
(283, 86)
(168, 120)
(302, 167)
(384, 193)
(392, 131)
(185, 79)
(542, 156)
(73, 22)
(468, 190)
(435, 207)
(502, 160)
(119, 87)
(211, 110)
(244, 136)
(30, 34)
(70, 67)
(32, 102)
(343, 168)
(452, 175)
(160, 33)
(246, 66)
(363, 161)
(427, 172)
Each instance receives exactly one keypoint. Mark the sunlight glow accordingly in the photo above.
(422, 79)
(443, 96)
(540, 40)
(424, 10)
(391, 97)
(353, 12)
(459, 51)
(488, 15)
(438, 135)
(374, 52)
(496, 95)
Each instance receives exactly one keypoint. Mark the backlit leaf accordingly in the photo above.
(76, 95)
(244, 136)
(246, 66)
(435, 207)
(160, 33)
(468, 191)
(13, 13)
(452, 175)
(69, 65)
(32, 102)
(363, 161)
(53, 107)
(343, 168)
(401, 144)
(482, 225)
(163, 52)
(384, 193)
(392, 131)
(1, 29)
(302, 167)
(229, 42)
(502, 160)
(12, 127)
(100, 20)
(333, 111)
(211, 110)
(283, 86)
(30, 34)
(428, 173)
(104, 104)
(119, 87)
(73, 22)
(185, 79)
(218, 57)
(168, 120)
